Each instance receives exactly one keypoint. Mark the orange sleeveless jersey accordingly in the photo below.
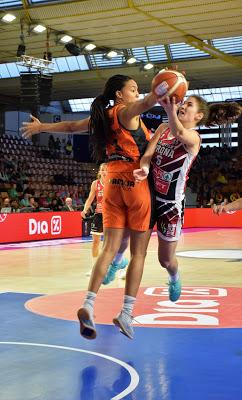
(125, 203)
(130, 144)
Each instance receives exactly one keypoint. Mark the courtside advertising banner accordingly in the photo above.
(39, 226)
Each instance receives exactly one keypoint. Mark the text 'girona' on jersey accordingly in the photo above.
(125, 144)
(171, 163)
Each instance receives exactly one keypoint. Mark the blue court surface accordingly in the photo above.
(46, 359)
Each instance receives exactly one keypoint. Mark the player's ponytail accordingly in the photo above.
(99, 125)
(217, 113)
(223, 113)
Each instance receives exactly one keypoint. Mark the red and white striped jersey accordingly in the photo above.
(171, 163)
(99, 196)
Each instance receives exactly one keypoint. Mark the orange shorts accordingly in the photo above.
(126, 204)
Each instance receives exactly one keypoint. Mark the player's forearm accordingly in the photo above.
(65, 126)
(87, 206)
(140, 106)
(145, 161)
(176, 128)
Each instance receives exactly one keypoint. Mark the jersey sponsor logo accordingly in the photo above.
(168, 230)
(162, 180)
(198, 307)
(122, 182)
(163, 175)
(162, 186)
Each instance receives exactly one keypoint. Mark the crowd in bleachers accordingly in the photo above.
(31, 179)
(216, 176)
(38, 178)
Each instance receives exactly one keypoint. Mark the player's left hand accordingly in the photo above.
(140, 174)
(169, 104)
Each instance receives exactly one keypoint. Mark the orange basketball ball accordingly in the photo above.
(170, 83)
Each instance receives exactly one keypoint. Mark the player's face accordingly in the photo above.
(103, 171)
(129, 93)
(188, 111)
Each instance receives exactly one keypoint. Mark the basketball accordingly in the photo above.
(170, 83)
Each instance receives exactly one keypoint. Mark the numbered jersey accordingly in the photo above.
(99, 196)
(171, 163)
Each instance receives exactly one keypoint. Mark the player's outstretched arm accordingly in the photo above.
(35, 126)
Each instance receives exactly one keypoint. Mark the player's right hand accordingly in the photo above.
(219, 209)
(31, 128)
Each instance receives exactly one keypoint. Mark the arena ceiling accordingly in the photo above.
(174, 25)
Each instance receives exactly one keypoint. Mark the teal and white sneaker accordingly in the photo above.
(112, 269)
(123, 321)
(174, 290)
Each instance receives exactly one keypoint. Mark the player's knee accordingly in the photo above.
(165, 263)
(138, 254)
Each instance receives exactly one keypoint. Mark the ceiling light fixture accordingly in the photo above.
(111, 54)
(39, 28)
(90, 46)
(8, 18)
(148, 66)
(131, 60)
(66, 39)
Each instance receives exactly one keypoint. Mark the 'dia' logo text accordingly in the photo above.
(43, 227)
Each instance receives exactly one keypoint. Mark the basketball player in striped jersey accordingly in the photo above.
(171, 153)
(96, 192)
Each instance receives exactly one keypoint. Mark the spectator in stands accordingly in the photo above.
(54, 205)
(59, 201)
(4, 177)
(32, 203)
(15, 207)
(13, 194)
(6, 207)
(68, 147)
(68, 205)
(25, 201)
(43, 202)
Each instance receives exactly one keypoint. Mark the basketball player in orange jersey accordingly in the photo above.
(118, 131)
(171, 153)
(96, 192)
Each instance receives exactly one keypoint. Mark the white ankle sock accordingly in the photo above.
(174, 278)
(128, 304)
(118, 258)
(89, 301)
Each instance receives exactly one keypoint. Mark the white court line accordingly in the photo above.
(134, 381)
(212, 253)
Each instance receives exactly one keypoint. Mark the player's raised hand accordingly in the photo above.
(30, 128)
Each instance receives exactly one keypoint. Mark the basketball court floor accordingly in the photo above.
(189, 350)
